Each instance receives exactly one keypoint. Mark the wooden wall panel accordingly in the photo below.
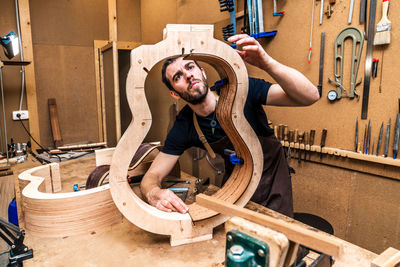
(363, 209)
(69, 22)
(66, 73)
(155, 14)
(129, 17)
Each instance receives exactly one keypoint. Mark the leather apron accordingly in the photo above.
(275, 188)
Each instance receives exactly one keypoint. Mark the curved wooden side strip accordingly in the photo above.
(197, 42)
(63, 214)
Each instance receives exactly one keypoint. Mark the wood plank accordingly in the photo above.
(310, 238)
(6, 193)
(55, 125)
(30, 83)
(116, 92)
(112, 20)
(96, 51)
(389, 258)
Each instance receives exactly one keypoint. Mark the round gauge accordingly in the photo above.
(332, 95)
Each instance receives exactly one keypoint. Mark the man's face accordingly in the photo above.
(188, 80)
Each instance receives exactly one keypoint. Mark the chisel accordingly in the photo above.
(396, 134)
(387, 137)
(378, 148)
(312, 136)
(368, 138)
(301, 136)
(356, 137)
(285, 138)
(365, 140)
(306, 144)
(291, 142)
(321, 64)
(323, 138)
(296, 138)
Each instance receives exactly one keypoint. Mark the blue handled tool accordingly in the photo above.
(232, 157)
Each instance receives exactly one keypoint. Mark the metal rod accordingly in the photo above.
(22, 56)
(260, 16)
(4, 113)
(321, 13)
(351, 11)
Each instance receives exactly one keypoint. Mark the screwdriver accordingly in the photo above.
(323, 138)
(312, 136)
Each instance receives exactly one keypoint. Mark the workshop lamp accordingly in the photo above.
(10, 44)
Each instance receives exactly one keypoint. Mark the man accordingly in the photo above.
(187, 80)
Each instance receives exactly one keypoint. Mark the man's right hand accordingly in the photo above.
(166, 200)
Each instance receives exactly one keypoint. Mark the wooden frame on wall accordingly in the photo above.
(100, 47)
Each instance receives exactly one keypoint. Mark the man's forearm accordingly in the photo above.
(294, 83)
(149, 182)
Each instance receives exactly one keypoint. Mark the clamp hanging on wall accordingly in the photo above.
(358, 37)
(256, 20)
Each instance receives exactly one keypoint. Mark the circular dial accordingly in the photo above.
(332, 95)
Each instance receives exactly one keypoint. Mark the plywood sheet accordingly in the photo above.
(66, 73)
(363, 209)
(69, 22)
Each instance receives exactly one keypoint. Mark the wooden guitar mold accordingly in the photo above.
(196, 42)
(63, 214)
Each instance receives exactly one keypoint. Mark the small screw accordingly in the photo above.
(237, 250)
(229, 237)
(261, 253)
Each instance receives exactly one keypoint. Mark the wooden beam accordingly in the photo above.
(113, 36)
(98, 72)
(30, 83)
(116, 92)
(55, 125)
(310, 238)
(112, 20)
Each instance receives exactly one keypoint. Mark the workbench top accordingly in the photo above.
(124, 244)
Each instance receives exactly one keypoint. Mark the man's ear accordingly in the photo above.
(174, 95)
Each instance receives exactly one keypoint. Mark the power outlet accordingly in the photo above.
(20, 114)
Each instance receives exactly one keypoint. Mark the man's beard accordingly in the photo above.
(198, 98)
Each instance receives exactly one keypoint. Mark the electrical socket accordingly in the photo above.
(23, 115)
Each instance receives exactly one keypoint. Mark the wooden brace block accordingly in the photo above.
(55, 177)
(389, 258)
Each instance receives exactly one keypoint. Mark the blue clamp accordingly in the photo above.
(218, 84)
(264, 34)
(232, 157)
(76, 187)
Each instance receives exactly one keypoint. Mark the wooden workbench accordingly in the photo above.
(124, 244)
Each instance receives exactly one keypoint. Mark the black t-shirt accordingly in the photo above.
(183, 134)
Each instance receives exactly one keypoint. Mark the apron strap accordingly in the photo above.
(202, 138)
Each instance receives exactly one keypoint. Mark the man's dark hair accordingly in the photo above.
(164, 69)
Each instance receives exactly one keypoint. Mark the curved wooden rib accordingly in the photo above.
(63, 214)
(181, 39)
